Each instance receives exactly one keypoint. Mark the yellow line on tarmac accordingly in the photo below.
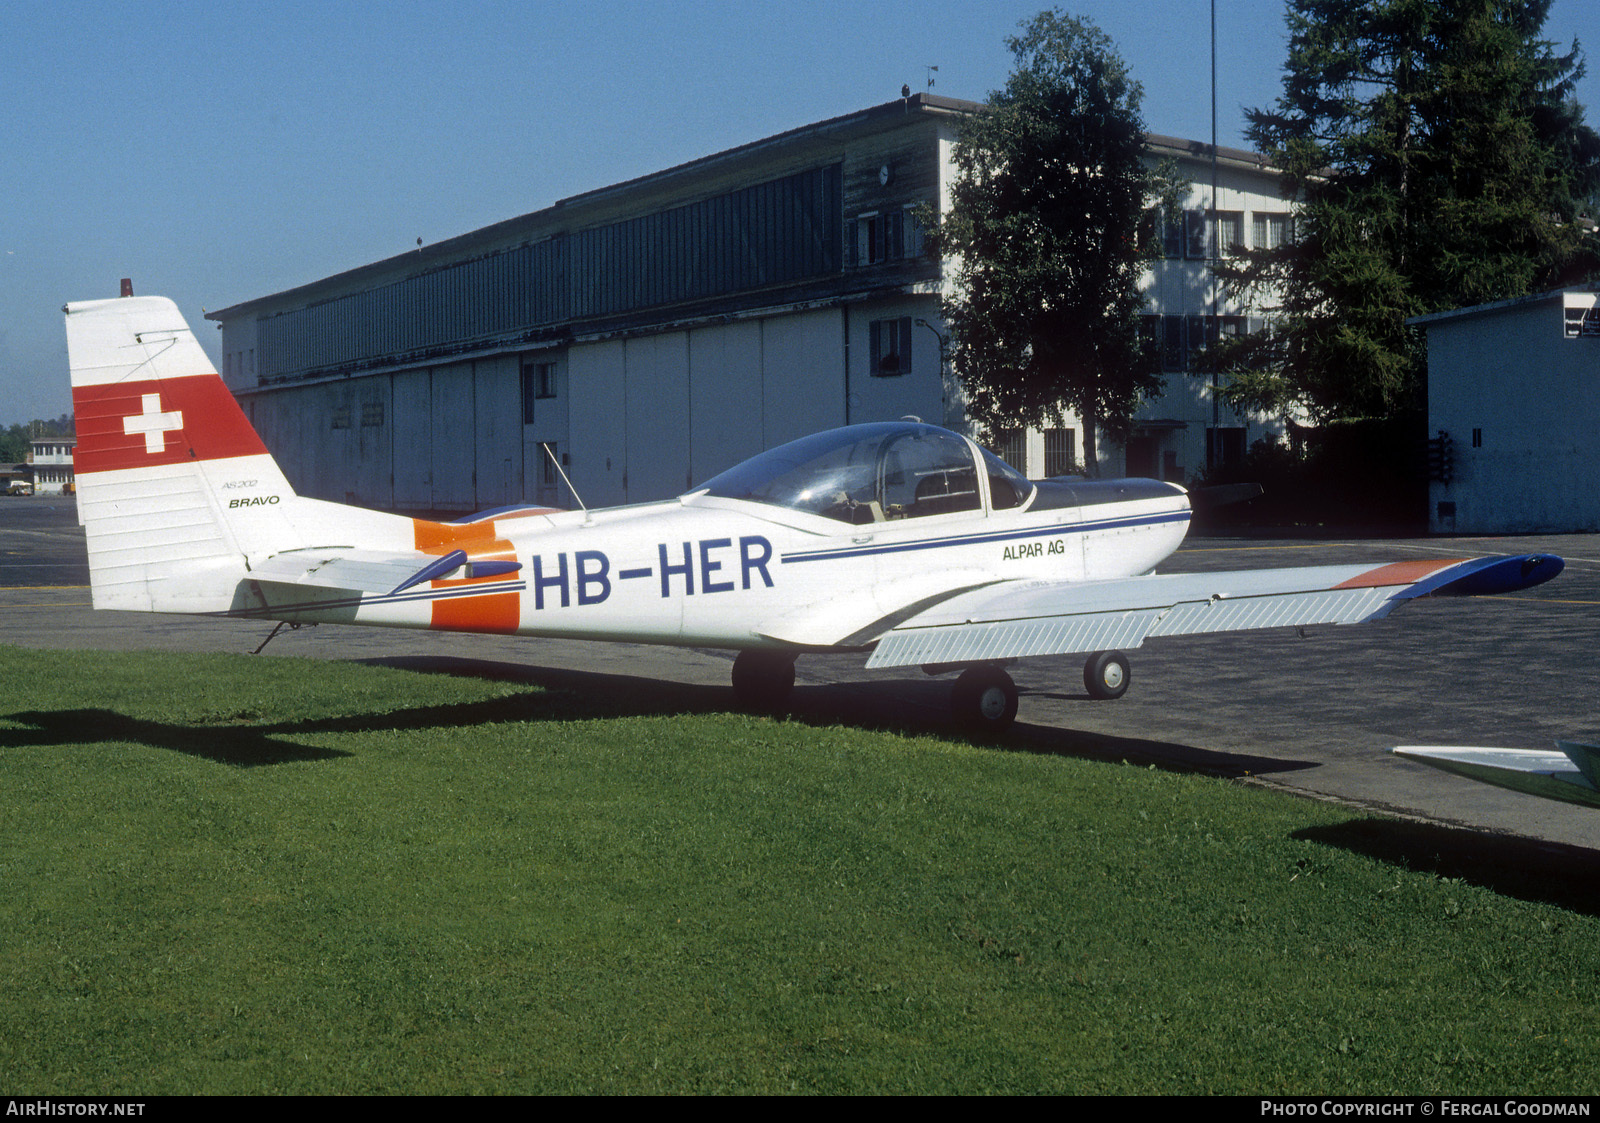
(1248, 549)
(1545, 600)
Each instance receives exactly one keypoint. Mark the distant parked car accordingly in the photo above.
(19, 487)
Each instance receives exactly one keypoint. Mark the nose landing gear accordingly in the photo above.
(1106, 674)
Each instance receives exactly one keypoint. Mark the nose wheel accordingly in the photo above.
(984, 700)
(1107, 674)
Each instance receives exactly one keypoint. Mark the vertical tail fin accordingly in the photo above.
(175, 489)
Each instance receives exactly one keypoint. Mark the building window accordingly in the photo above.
(1011, 445)
(538, 381)
(1230, 233)
(874, 238)
(912, 245)
(1183, 336)
(341, 417)
(1269, 230)
(1224, 446)
(1060, 452)
(548, 489)
(1174, 355)
(371, 414)
(891, 347)
(1201, 241)
(1172, 241)
(1194, 227)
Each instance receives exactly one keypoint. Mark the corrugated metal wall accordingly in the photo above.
(777, 232)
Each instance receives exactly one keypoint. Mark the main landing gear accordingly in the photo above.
(984, 700)
(763, 680)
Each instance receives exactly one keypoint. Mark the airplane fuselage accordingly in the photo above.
(713, 571)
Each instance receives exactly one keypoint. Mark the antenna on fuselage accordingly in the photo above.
(551, 453)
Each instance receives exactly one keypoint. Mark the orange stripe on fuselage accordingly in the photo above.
(496, 612)
(1398, 573)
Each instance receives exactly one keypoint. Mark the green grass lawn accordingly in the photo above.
(233, 875)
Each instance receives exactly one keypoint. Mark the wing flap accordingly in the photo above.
(1012, 639)
(1060, 618)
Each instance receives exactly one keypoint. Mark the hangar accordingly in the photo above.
(1513, 394)
(621, 345)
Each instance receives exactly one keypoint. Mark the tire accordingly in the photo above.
(984, 701)
(1107, 675)
(763, 680)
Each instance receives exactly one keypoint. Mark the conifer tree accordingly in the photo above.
(1440, 162)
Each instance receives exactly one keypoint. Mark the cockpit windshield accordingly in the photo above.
(871, 473)
(1008, 487)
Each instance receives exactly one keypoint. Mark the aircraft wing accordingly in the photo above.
(370, 571)
(1568, 775)
(1026, 618)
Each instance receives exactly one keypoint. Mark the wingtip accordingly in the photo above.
(1478, 577)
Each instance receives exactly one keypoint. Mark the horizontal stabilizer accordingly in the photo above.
(1222, 495)
(373, 571)
(1567, 775)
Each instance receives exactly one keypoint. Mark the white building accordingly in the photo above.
(1513, 397)
(51, 458)
(649, 334)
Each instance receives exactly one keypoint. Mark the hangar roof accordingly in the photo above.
(578, 210)
(575, 210)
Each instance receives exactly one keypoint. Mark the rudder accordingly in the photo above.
(163, 450)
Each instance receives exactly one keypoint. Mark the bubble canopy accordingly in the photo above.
(875, 473)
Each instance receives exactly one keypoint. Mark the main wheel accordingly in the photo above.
(984, 700)
(763, 680)
(1107, 674)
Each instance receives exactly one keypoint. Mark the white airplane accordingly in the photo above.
(900, 540)
(1571, 774)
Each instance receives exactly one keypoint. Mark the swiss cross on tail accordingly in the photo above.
(154, 424)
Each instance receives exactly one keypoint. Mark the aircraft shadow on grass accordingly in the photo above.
(915, 707)
(1524, 868)
(1565, 876)
(919, 706)
(241, 745)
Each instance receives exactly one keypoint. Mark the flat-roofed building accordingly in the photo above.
(642, 337)
(1513, 398)
(51, 461)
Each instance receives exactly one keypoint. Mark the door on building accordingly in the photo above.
(1142, 452)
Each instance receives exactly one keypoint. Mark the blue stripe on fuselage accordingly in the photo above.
(991, 536)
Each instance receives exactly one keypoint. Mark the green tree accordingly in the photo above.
(1050, 229)
(1440, 161)
(16, 441)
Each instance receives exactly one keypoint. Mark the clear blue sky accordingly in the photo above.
(217, 152)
